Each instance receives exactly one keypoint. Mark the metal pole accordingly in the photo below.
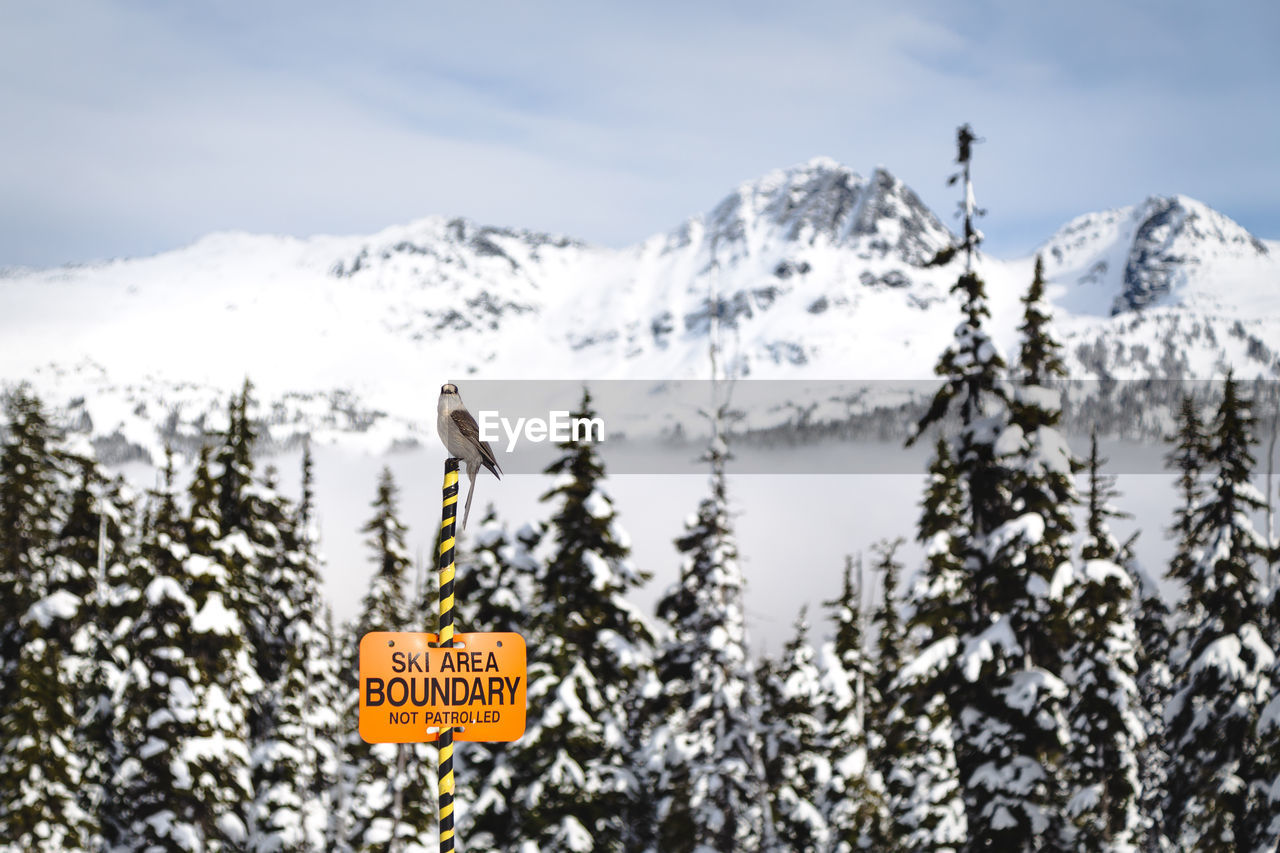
(449, 515)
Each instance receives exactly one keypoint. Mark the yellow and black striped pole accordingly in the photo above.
(448, 519)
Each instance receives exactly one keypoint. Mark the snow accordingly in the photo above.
(597, 505)
(1010, 441)
(1101, 571)
(931, 660)
(357, 340)
(982, 648)
(1038, 396)
(575, 836)
(1085, 800)
(238, 543)
(1027, 688)
(198, 565)
(602, 575)
(56, 607)
(1225, 655)
(184, 835)
(215, 618)
(163, 587)
(1024, 531)
(1063, 577)
(233, 828)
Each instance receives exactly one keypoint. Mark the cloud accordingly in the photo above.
(141, 127)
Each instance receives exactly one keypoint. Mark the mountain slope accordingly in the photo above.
(813, 272)
(1165, 251)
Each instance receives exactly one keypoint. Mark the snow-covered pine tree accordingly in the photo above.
(889, 630)
(324, 689)
(28, 501)
(796, 762)
(888, 719)
(90, 560)
(1152, 625)
(1043, 470)
(256, 549)
(574, 780)
(1188, 457)
(1099, 542)
(1222, 675)
(931, 816)
(1152, 621)
(1007, 701)
(496, 576)
(705, 750)
(495, 584)
(851, 804)
(1266, 799)
(183, 783)
(39, 762)
(375, 773)
(222, 591)
(1106, 727)
(246, 543)
(294, 664)
(42, 762)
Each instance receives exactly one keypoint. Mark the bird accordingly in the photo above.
(461, 437)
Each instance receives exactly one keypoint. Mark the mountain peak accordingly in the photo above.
(824, 201)
(1149, 253)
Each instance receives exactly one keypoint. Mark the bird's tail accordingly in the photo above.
(471, 493)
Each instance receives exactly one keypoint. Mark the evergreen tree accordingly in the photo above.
(1152, 649)
(184, 783)
(796, 763)
(41, 766)
(1011, 468)
(1188, 457)
(1099, 542)
(888, 718)
(495, 583)
(706, 753)
(378, 775)
(496, 576)
(323, 691)
(889, 638)
(851, 804)
(42, 759)
(1212, 715)
(90, 562)
(289, 748)
(1152, 624)
(574, 771)
(1040, 356)
(273, 590)
(931, 815)
(1266, 798)
(1107, 731)
(1042, 472)
(29, 475)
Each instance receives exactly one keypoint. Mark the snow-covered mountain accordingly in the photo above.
(814, 272)
(1165, 251)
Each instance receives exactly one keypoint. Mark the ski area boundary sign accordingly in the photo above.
(410, 688)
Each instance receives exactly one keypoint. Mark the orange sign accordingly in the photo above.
(410, 689)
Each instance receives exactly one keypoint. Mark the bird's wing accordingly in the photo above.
(470, 431)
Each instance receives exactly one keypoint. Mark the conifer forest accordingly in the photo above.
(171, 678)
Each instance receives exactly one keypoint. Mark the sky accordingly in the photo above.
(136, 127)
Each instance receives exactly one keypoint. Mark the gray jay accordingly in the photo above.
(461, 437)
